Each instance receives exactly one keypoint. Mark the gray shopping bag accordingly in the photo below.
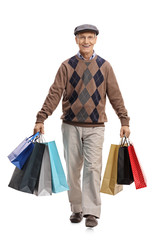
(44, 186)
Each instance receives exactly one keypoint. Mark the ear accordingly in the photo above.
(76, 39)
(95, 39)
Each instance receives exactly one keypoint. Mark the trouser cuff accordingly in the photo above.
(76, 208)
(92, 211)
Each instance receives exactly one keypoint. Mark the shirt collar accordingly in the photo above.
(81, 57)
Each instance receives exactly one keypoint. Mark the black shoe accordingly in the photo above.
(76, 217)
(91, 221)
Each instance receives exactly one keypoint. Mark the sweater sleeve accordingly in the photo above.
(115, 97)
(54, 95)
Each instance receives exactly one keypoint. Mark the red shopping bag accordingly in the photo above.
(138, 175)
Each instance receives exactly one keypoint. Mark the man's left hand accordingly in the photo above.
(125, 131)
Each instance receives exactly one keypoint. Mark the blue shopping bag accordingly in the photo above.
(59, 183)
(21, 153)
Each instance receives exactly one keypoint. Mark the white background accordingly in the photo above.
(35, 38)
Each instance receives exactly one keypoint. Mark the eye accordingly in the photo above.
(82, 38)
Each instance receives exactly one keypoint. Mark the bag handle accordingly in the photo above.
(34, 137)
(125, 140)
(41, 138)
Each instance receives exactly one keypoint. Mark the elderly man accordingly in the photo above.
(84, 80)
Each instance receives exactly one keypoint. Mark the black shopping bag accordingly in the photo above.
(17, 176)
(32, 171)
(124, 170)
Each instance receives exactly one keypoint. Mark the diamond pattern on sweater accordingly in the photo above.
(74, 79)
(74, 97)
(70, 115)
(98, 77)
(87, 63)
(100, 61)
(96, 97)
(94, 115)
(73, 61)
(87, 76)
(82, 115)
(84, 96)
(86, 82)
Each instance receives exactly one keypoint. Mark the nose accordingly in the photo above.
(86, 40)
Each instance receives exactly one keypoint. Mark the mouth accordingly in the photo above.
(86, 46)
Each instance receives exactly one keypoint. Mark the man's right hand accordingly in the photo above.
(39, 127)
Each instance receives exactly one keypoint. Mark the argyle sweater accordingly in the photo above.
(84, 85)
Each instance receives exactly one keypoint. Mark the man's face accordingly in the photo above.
(86, 41)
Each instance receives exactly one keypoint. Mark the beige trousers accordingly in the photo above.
(83, 148)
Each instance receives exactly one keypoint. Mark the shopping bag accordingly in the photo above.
(32, 171)
(44, 184)
(124, 173)
(21, 153)
(17, 176)
(109, 183)
(59, 182)
(138, 174)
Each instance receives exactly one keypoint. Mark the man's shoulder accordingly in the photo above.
(102, 61)
(70, 60)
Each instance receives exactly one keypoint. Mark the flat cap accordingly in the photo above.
(86, 27)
